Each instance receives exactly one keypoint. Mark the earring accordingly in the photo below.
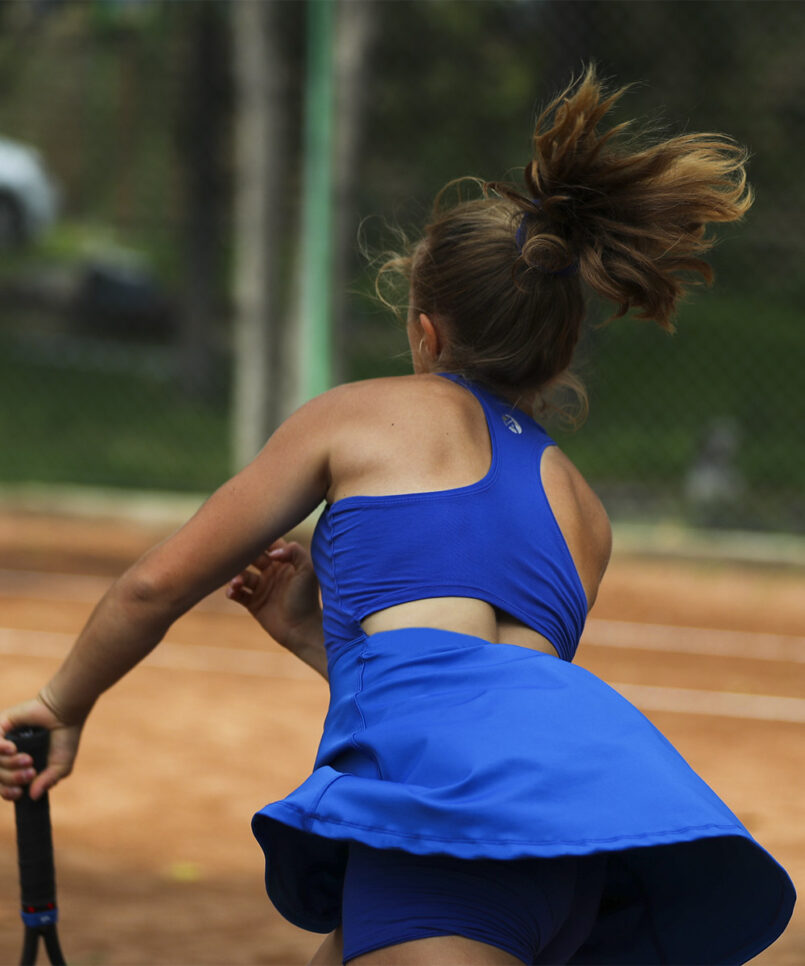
(421, 343)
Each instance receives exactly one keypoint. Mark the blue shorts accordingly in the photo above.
(539, 910)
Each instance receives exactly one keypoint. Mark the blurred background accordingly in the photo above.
(194, 197)
(189, 190)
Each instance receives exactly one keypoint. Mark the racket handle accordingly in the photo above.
(34, 836)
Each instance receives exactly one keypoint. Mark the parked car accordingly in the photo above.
(28, 196)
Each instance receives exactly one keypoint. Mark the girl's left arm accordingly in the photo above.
(278, 489)
(281, 592)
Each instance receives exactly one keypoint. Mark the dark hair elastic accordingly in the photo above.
(520, 240)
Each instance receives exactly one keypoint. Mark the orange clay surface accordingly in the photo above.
(155, 860)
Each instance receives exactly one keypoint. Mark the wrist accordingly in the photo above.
(308, 636)
(65, 712)
(307, 643)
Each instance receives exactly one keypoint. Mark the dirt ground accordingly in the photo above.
(155, 859)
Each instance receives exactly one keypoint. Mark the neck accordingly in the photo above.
(524, 400)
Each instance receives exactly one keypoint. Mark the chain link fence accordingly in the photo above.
(115, 315)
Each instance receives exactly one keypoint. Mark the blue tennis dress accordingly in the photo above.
(439, 742)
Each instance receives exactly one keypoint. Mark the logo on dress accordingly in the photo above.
(511, 424)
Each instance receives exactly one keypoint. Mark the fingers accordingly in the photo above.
(46, 780)
(61, 759)
(248, 580)
(281, 551)
(15, 770)
(7, 747)
(241, 588)
(12, 762)
(293, 553)
(15, 773)
(284, 551)
(13, 782)
(237, 591)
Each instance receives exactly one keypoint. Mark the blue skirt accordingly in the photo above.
(442, 743)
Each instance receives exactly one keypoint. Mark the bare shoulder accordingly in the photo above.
(353, 406)
(403, 434)
(581, 517)
(398, 401)
(386, 392)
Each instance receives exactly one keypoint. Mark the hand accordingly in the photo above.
(282, 594)
(16, 770)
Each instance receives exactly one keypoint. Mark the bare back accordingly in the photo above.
(423, 433)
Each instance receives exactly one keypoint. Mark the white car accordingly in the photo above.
(28, 197)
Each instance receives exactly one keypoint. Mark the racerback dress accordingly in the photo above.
(439, 742)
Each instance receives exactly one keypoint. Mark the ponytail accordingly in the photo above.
(632, 213)
(606, 209)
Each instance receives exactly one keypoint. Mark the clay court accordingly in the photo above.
(155, 860)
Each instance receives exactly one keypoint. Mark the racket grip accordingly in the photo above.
(34, 836)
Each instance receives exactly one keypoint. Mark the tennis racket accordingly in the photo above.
(35, 856)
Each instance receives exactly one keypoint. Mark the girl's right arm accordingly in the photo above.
(277, 490)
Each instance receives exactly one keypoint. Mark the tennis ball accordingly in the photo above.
(184, 872)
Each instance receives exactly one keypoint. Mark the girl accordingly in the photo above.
(476, 798)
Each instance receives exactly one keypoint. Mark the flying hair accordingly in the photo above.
(609, 209)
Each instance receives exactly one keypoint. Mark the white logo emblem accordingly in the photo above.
(511, 424)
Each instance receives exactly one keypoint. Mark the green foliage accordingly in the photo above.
(74, 424)
(640, 379)
(452, 90)
(654, 397)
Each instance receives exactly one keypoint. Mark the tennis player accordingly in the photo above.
(476, 798)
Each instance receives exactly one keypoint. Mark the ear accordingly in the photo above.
(431, 336)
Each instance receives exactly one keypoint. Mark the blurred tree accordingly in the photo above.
(115, 92)
(202, 135)
(356, 21)
(259, 147)
(20, 24)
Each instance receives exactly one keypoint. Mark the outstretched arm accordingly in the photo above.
(281, 486)
(281, 592)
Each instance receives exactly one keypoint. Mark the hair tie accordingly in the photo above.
(571, 269)
(520, 240)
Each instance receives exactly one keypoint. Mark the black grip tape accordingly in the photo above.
(34, 837)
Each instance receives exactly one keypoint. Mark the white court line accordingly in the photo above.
(634, 635)
(16, 642)
(694, 640)
(81, 589)
(35, 584)
(722, 704)
(241, 661)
